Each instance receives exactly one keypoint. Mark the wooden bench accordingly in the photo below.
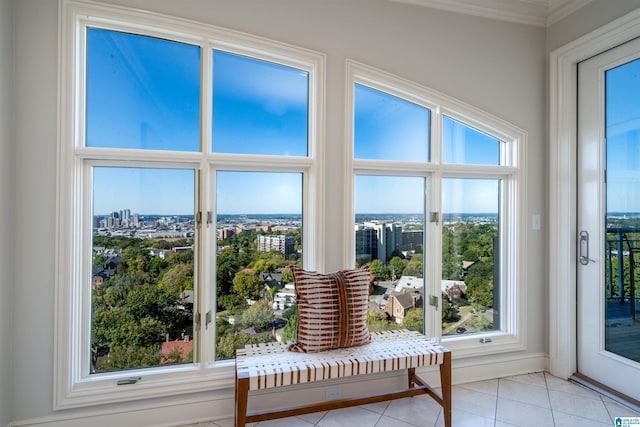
(270, 365)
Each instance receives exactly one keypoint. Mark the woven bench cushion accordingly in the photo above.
(272, 365)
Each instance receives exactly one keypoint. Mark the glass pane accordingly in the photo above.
(389, 235)
(470, 255)
(622, 248)
(465, 145)
(142, 280)
(259, 107)
(142, 92)
(259, 228)
(389, 128)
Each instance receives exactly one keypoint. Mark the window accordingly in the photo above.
(259, 238)
(436, 213)
(189, 172)
(470, 256)
(142, 267)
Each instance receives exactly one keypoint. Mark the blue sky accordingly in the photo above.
(258, 107)
(623, 138)
(145, 93)
(144, 191)
(248, 192)
(142, 92)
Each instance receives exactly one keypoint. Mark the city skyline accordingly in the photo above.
(172, 192)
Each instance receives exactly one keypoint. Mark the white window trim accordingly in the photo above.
(512, 172)
(563, 83)
(72, 387)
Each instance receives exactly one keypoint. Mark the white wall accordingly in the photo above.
(589, 18)
(496, 66)
(34, 107)
(6, 208)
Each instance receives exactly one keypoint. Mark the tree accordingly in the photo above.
(396, 266)
(227, 265)
(247, 284)
(449, 312)
(378, 321)
(227, 344)
(135, 259)
(259, 316)
(414, 320)
(415, 267)
(268, 262)
(223, 326)
(177, 279)
(287, 275)
(290, 312)
(156, 265)
(265, 265)
(98, 260)
(378, 269)
(127, 357)
(290, 330)
(479, 283)
(272, 293)
(232, 302)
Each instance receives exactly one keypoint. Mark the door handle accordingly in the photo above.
(583, 245)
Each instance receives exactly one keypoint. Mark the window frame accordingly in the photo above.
(73, 385)
(511, 171)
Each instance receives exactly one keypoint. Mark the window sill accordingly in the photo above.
(483, 344)
(103, 391)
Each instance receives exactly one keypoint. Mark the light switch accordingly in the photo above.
(535, 222)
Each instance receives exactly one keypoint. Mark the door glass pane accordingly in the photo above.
(142, 92)
(259, 107)
(622, 249)
(470, 255)
(389, 236)
(142, 288)
(259, 236)
(389, 128)
(465, 145)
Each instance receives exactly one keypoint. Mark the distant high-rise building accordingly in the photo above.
(366, 244)
(411, 240)
(225, 233)
(388, 238)
(280, 243)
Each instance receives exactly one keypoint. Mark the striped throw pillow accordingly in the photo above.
(332, 309)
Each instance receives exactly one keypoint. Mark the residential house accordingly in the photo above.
(399, 303)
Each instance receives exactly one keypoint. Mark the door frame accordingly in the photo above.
(562, 233)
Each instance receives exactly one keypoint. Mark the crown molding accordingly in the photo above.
(560, 9)
(539, 13)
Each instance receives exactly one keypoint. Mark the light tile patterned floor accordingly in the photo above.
(537, 400)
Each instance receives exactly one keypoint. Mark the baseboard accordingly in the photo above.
(171, 412)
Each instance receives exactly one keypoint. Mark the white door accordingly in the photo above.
(609, 218)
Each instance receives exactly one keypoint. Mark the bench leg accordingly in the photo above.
(412, 374)
(242, 396)
(445, 381)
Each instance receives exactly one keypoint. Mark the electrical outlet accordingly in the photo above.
(333, 394)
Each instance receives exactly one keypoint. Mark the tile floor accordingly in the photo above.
(537, 400)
